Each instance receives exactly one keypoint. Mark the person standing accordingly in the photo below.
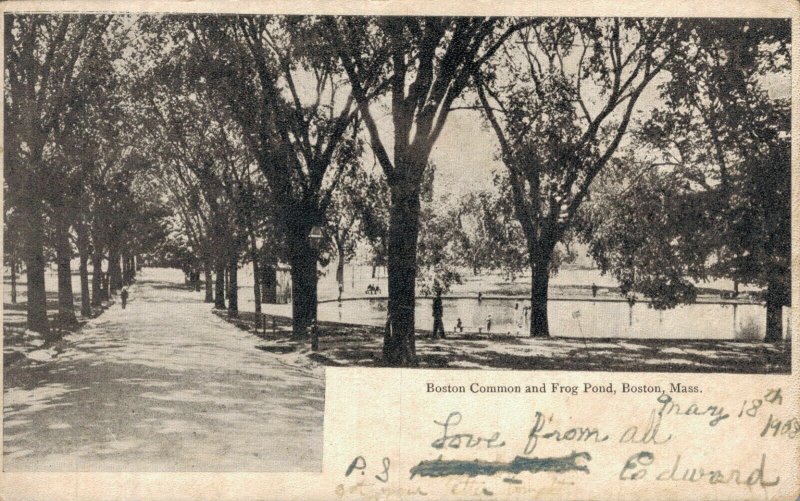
(123, 295)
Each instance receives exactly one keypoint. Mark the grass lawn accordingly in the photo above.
(359, 345)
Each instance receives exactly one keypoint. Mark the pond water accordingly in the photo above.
(590, 319)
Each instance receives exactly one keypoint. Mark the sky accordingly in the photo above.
(465, 154)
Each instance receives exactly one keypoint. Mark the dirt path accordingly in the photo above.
(163, 385)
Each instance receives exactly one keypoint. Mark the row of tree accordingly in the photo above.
(72, 176)
(257, 131)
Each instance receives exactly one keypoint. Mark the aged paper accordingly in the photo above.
(670, 368)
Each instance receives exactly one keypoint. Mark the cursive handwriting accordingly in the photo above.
(790, 428)
(669, 406)
(640, 465)
(576, 434)
(455, 441)
(648, 435)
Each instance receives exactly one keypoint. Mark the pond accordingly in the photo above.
(573, 318)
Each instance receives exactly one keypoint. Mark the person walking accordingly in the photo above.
(123, 295)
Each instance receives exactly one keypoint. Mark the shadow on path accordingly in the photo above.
(163, 385)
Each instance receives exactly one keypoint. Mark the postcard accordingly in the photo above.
(400, 250)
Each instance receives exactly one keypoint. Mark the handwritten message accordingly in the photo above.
(669, 440)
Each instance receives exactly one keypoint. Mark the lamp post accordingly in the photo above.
(315, 237)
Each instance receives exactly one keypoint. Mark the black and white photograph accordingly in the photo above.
(202, 212)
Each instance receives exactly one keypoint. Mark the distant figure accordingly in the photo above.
(594, 290)
(516, 305)
(123, 295)
(525, 310)
(341, 289)
(378, 290)
(370, 289)
(489, 323)
(480, 297)
(459, 326)
(438, 325)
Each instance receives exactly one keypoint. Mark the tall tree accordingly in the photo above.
(84, 128)
(298, 134)
(424, 64)
(560, 103)
(714, 182)
(45, 56)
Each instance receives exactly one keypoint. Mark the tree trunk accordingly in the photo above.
(227, 279)
(774, 331)
(209, 286)
(540, 256)
(66, 302)
(269, 284)
(114, 271)
(129, 266)
(399, 348)
(438, 326)
(233, 286)
(83, 253)
(340, 265)
(219, 285)
(13, 279)
(86, 301)
(256, 278)
(775, 302)
(97, 277)
(374, 267)
(304, 286)
(126, 272)
(33, 242)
